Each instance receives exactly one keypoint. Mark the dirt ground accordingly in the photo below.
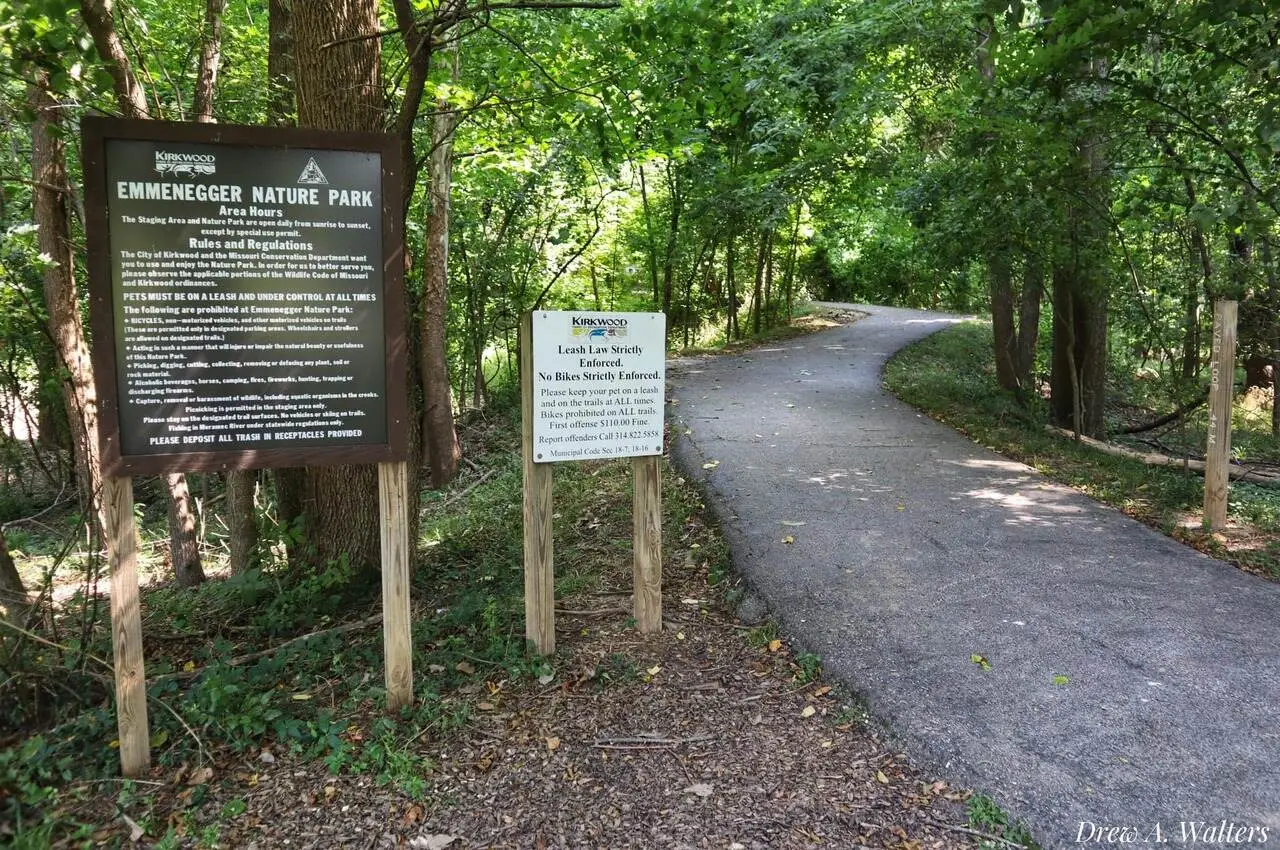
(712, 734)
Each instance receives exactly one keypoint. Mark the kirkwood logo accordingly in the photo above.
(189, 164)
(593, 327)
(312, 175)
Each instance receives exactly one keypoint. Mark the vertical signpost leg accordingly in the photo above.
(126, 626)
(539, 572)
(397, 643)
(1221, 383)
(647, 543)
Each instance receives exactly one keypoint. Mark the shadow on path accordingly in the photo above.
(920, 549)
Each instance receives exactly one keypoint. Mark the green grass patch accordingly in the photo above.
(951, 377)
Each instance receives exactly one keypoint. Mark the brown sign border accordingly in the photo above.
(95, 131)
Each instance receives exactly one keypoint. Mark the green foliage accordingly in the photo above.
(950, 375)
(809, 667)
(986, 815)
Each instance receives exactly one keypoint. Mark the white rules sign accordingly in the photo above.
(598, 382)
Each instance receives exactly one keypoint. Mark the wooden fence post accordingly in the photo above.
(1221, 384)
(647, 543)
(397, 641)
(539, 569)
(126, 626)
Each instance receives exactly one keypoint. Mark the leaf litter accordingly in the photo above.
(693, 737)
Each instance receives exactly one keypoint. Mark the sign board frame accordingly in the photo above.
(538, 509)
(117, 465)
(97, 132)
(593, 375)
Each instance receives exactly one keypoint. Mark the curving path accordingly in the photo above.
(920, 549)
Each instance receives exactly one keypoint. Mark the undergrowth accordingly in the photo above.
(951, 377)
(214, 695)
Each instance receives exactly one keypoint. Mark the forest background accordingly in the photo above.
(1091, 176)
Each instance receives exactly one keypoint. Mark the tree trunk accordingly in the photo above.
(757, 288)
(788, 276)
(673, 236)
(1080, 289)
(339, 87)
(1273, 328)
(731, 292)
(102, 27)
(1004, 333)
(1191, 302)
(13, 595)
(652, 252)
(1029, 321)
(184, 549)
(1078, 372)
(441, 450)
(768, 284)
(210, 53)
(280, 107)
(242, 524)
(49, 202)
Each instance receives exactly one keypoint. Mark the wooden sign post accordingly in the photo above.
(246, 296)
(591, 387)
(1221, 384)
(539, 560)
(126, 626)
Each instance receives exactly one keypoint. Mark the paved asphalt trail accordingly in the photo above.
(920, 548)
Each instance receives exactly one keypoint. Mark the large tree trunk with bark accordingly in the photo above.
(1080, 289)
(339, 87)
(1079, 368)
(79, 395)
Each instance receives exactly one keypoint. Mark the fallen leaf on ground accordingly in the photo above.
(465, 668)
(881, 778)
(711, 464)
(775, 645)
(809, 711)
(700, 789)
(788, 539)
(200, 776)
(432, 842)
(553, 742)
(136, 832)
(981, 661)
(1060, 680)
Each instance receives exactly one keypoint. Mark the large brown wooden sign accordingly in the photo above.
(246, 299)
(246, 295)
